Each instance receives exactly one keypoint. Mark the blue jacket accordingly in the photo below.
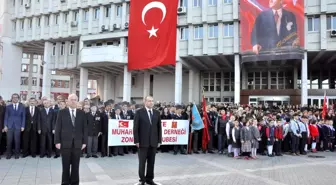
(15, 118)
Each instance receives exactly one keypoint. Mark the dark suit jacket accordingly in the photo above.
(2, 116)
(47, 124)
(114, 116)
(15, 119)
(94, 123)
(32, 121)
(145, 133)
(129, 115)
(265, 33)
(104, 123)
(66, 133)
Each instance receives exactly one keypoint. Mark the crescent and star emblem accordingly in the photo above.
(149, 6)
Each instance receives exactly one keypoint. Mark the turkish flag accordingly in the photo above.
(174, 124)
(152, 34)
(123, 124)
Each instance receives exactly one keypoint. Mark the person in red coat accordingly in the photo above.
(278, 134)
(314, 133)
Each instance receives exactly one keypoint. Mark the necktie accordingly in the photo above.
(150, 116)
(32, 111)
(15, 107)
(72, 117)
(276, 17)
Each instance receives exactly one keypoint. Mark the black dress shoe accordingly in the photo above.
(196, 152)
(17, 157)
(8, 157)
(56, 156)
(94, 156)
(41, 156)
(211, 152)
(121, 154)
(25, 155)
(88, 156)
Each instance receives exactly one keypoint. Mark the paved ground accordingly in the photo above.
(202, 169)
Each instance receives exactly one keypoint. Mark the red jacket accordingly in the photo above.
(313, 130)
(278, 132)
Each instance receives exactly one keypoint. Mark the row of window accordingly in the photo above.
(214, 81)
(198, 3)
(314, 23)
(26, 56)
(212, 31)
(278, 80)
(226, 99)
(62, 48)
(54, 83)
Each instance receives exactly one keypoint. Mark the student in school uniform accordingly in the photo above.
(278, 137)
(270, 134)
(319, 145)
(304, 135)
(246, 137)
(229, 127)
(255, 138)
(314, 133)
(287, 136)
(235, 135)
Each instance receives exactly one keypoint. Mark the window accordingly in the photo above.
(71, 48)
(41, 82)
(24, 67)
(53, 72)
(30, 23)
(107, 11)
(56, 19)
(228, 81)
(118, 10)
(65, 17)
(22, 24)
(228, 30)
(39, 22)
(127, 8)
(34, 68)
(24, 80)
(62, 48)
(54, 50)
(313, 24)
(197, 3)
(227, 1)
(86, 15)
(34, 81)
(184, 3)
(14, 25)
(212, 81)
(66, 84)
(184, 33)
(213, 31)
(75, 18)
(212, 2)
(96, 14)
(331, 22)
(47, 20)
(41, 70)
(198, 32)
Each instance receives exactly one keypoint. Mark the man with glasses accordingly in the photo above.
(15, 120)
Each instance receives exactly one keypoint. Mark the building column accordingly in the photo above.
(146, 89)
(244, 78)
(83, 83)
(107, 87)
(30, 76)
(127, 85)
(46, 88)
(72, 84)
(304, 72)
(237, 79)
(191, 86)
(295, 77)
(178, 82)
(100, 88)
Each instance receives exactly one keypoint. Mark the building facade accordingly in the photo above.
(87, 39)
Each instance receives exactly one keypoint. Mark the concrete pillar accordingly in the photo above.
(146, 89)
(178, 82)
(100, 88)
(83, 83)
(295, 77)
(127, 85)
(197, 88)
(191, 86)
(304, 74)
(123, 14)
(244, 78)
(236, 79)
(46, 88)
(30, 75)
(106, 87)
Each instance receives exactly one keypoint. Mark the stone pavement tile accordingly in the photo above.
(314, 175)
(9, 181)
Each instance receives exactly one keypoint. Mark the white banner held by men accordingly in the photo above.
(174, 132)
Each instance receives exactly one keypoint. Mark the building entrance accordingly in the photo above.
(270, 100)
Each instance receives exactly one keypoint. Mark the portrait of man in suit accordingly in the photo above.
(274, 28)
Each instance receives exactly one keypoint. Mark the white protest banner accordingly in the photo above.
(174, 132)
(120, 133)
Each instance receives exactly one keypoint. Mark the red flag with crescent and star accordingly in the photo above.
(123, 124)
(152, 34)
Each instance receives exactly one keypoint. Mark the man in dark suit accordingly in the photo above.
(71, 137)
(94, 131)
(46, 128)
(2, 119)
(30, 133)
(15, 120)
(147, 137)
(118, 150)
(275, 27)
(106, 115)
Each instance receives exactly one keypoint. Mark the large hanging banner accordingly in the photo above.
(271, 30)
(174, 132)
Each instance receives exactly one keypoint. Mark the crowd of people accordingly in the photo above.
(240, 131)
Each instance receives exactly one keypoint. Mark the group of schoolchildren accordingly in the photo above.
(274, 135)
